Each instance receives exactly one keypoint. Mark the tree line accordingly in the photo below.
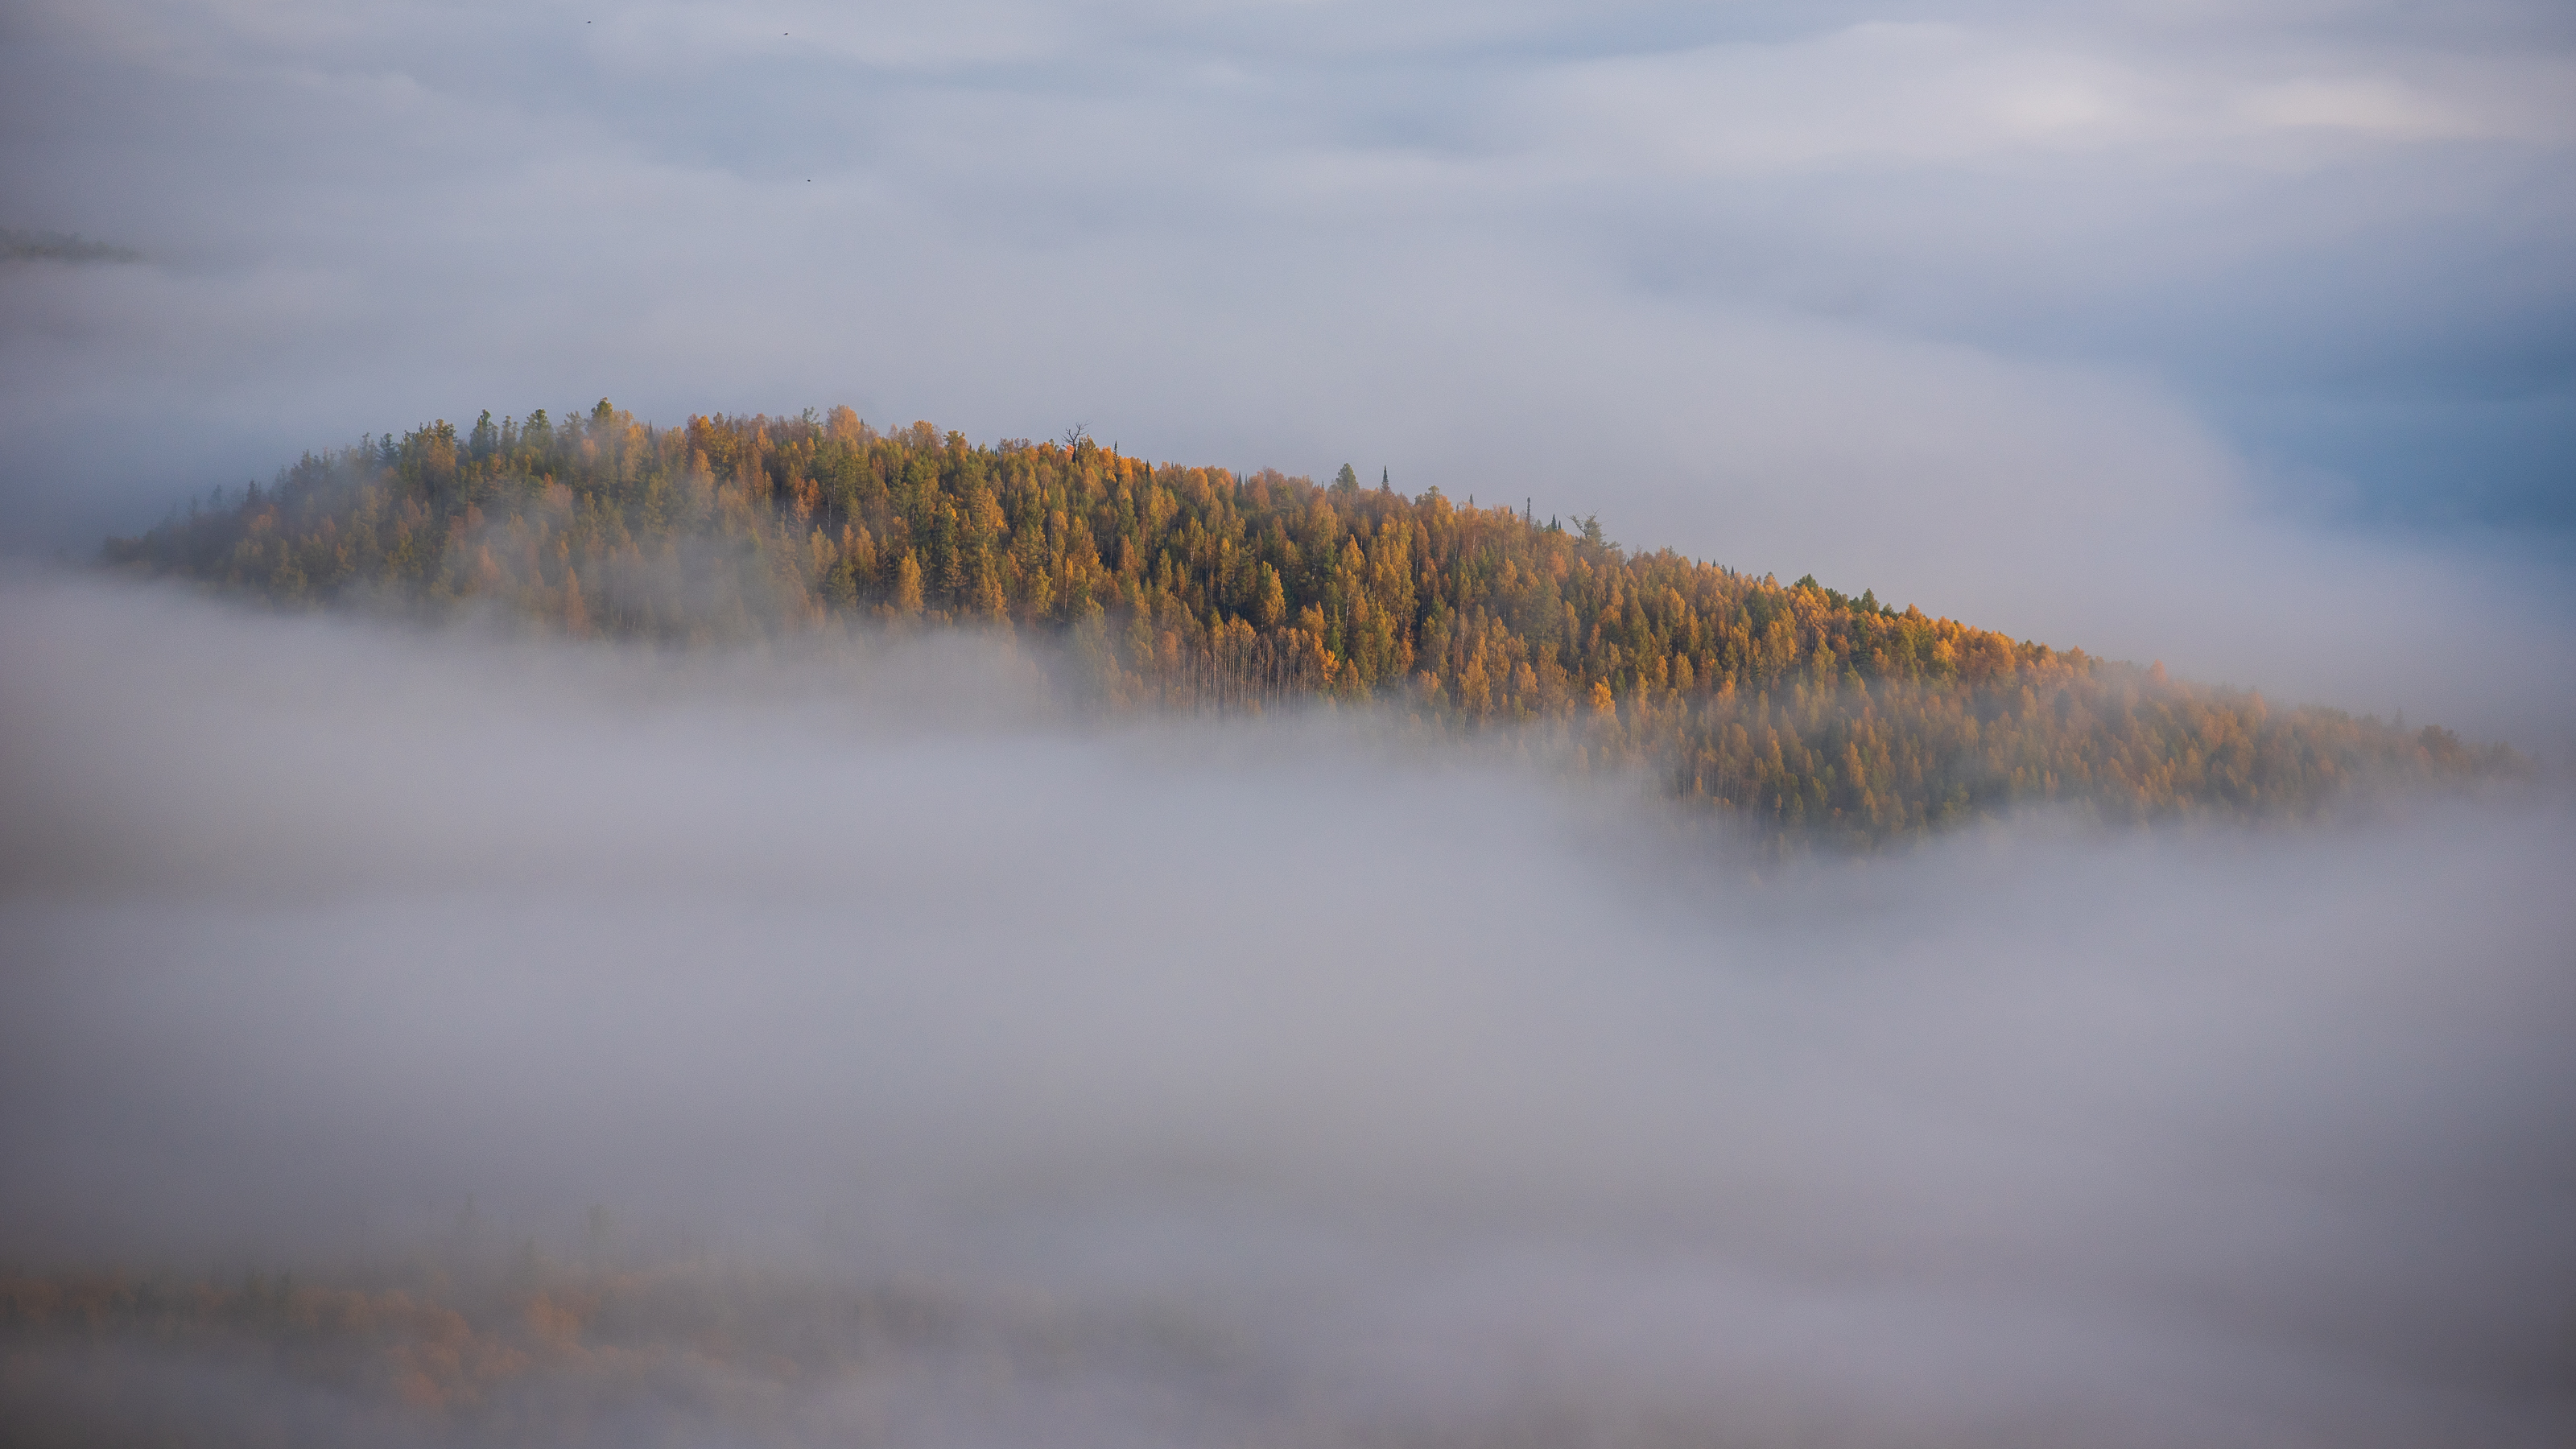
(1810, 711)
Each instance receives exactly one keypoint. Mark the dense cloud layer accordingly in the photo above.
(1312, 1086)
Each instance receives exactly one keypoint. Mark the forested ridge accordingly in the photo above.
(1794, 705)
(490, 1345)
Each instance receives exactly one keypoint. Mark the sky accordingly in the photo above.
(2238, 336)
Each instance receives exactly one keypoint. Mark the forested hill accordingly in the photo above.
(1796, 705)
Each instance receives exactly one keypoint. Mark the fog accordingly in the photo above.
(1246, 1081)
(1292, 1080)
(2235, 336)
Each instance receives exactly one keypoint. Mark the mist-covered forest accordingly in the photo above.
(1797, 707)
(1730, 726)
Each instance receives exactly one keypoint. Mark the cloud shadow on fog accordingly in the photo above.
(1435, 1103)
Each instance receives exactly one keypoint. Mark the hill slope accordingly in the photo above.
(1792, 705)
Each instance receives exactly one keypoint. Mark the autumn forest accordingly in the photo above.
(1806, 711)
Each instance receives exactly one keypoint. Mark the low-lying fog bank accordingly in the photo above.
(944, 1071)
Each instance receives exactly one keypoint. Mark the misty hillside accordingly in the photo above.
(1794, 706)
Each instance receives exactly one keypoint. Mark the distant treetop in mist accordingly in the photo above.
(57, 246)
